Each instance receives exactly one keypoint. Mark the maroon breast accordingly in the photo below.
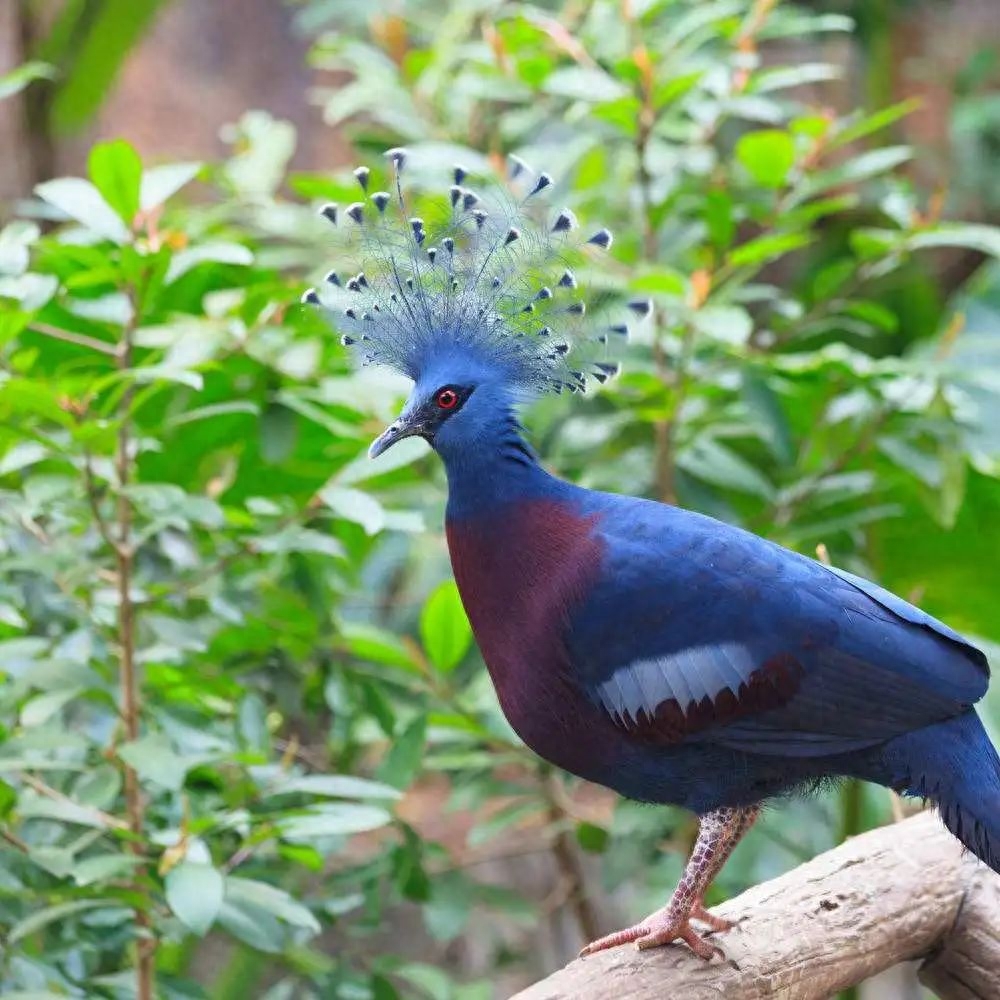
(520, 572)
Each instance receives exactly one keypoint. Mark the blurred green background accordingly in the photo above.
(247, 747)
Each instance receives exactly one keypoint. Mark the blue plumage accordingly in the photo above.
(659, 652)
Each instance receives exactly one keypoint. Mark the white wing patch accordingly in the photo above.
(687, 677)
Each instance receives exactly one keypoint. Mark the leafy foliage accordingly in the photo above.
(230, 654)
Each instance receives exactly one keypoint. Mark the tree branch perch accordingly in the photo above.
(904, 892)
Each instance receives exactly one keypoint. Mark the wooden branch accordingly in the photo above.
(966, 963)
(904, 892)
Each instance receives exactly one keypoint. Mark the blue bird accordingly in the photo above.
(655, 651)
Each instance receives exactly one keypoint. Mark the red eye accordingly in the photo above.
(447, 399)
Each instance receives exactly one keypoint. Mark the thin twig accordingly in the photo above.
(80, 339)
(663, 461)
(570, 870)
(124, 555)
(93, 499)
(55, 795)
(14, 840)
(474, 860)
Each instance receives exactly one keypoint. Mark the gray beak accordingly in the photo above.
(396, 431)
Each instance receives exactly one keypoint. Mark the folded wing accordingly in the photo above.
(697, 631)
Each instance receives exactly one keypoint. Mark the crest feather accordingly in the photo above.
(477, 272)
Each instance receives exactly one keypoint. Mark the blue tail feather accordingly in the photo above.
(954, 764)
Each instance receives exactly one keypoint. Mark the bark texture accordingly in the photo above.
(903, 892)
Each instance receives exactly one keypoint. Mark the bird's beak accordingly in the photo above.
(396, 431)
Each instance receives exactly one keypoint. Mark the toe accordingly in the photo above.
(715, 923)
(700, 946)
(613, 940)
(656, 936)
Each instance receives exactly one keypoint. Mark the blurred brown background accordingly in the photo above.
(201, 64)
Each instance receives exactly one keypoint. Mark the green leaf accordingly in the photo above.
(194, 892)
(874, 313)
(15, 241)
(382, 989)
(374, 645)
(264, 145)
(272, 900)
(80, 200)
(448, 910)
(719, 218)
(404, 758)
(34, 995)
(9, 615)
(40, 709)
(725, 324)
(398, 456)
(592, 838)
(335, 820)
(860, 168)
(783, 77)
(662, 281)
(57, 861)
(214, 253)
(354, 505)
(161, 183)
(21, 456)
(240, 406)
(103, 867)
(34, 806)
(50, 914)
(444, 627)
(155, 760)
(584, 84)
(954, 477)
(768, 156)
(251, 720)
(713, 462)
(341, 786)
(881, 119)
(14, 82)
(113, 27)
(504, 818)
(869, 244)
(8, 764)
(98, 787)
(768, 248)
(985, 239)
(252, 926)
(116, 170)
(279, 431)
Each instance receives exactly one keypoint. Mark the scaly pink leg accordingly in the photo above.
(718, 833)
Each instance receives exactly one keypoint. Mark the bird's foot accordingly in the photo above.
(718, 832)
(661, 928)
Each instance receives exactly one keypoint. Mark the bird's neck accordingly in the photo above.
(496, 469)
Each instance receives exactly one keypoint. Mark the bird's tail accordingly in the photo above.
(955, 765)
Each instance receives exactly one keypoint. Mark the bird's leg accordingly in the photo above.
(718, 833)
(728, 841)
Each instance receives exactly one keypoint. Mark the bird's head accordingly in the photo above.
(453, 405)
(478, 305)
